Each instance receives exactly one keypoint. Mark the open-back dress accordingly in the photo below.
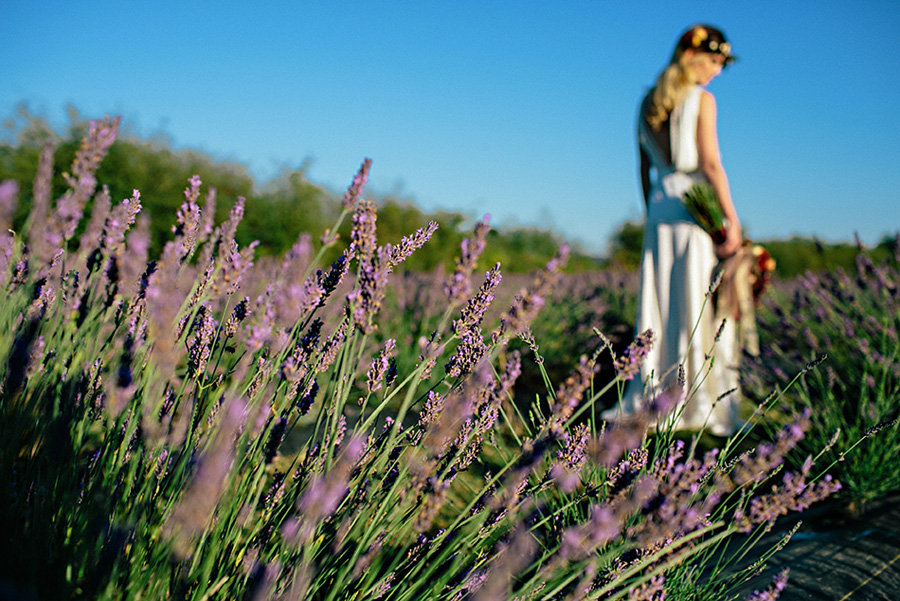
(677, 269)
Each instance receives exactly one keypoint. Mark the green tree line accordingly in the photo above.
(276, 212)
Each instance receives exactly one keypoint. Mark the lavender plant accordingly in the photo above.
(166, 434)
(847, 322)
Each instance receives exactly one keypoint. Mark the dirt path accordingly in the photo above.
(837, 558)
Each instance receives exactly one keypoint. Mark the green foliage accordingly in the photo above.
(626, 244)
(796, 256)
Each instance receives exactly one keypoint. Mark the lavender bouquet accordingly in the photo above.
(706, 209)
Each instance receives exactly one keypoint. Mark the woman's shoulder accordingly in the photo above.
(707, 100)
(699, 91)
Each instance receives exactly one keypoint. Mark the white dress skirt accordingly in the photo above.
(677, 268)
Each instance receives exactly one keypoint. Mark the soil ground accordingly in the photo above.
(837, 557)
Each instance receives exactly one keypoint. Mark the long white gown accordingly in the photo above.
(677, 268)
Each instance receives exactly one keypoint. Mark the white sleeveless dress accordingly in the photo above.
(677, 268)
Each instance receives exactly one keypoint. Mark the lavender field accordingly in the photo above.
(208, 424)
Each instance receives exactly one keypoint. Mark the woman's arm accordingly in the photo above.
(710, 163)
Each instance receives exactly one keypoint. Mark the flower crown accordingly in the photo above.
(707, 39)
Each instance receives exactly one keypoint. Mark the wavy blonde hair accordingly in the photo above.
(671, 87)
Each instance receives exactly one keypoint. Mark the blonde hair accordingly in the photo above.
(671, 87)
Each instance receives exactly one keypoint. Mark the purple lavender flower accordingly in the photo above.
(473, 313)
(409, 244)
(9, 198)
(431, 504)
(628, 365)
(431, 412)
(209, 215)
(234, 265)
(134, 260)
(774, 590)
(192, 192)
(228, 229)
(793, 494)
(188, 227)
(380, 364)
(91, 238)
(757, 466)
(238, 315)
(581, 540)
(81, 182)
(331, 347)
(526, 305)
(445, 416)
(120, 218)
(199, 501)
(382, 588)
(9, 191)
(511, 560)
(430, 349)
(458, 287)
(325, 492)
(365, 300)
(570, 393)
(573, 452)
(362, 236)
(38, 241)
(469, 353)
(200, 339)
(164, 298)
(652, 590)
(351, 197)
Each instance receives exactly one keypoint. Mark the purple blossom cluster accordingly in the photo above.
(628, 364)
(458, 287)
(774, 590)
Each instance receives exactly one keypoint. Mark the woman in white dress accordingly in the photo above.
(692, 354)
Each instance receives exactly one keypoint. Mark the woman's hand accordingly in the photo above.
(732, 243)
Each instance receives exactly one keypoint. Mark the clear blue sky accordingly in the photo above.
(521, 109)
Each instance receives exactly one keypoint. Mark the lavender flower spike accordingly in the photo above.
(458, 287)
(362, 236)
(628, 365)
(409, 244)
(326, 491)
(474, 311)
(526, 305)
(9, 196)
(774, 590)
(380, 365)
(9, 191)
(351, 196)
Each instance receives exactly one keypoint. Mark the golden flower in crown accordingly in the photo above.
(725, 48)
(699, 35)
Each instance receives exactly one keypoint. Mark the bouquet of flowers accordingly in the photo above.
(703, 205)
(761, 271)
(745, 277)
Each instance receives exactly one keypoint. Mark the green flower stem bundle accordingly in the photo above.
(706, 209)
